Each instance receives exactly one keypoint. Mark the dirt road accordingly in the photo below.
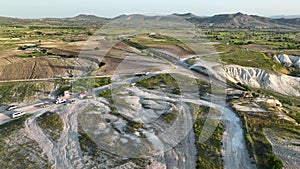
(235, 152)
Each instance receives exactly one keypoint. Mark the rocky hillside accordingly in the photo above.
(258, 78)
(35, 68)
(287, 60)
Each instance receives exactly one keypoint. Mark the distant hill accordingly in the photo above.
(186, 15)
(78, 21)
(237, 20)
(290, 22)
(240, 20)
(285, 16)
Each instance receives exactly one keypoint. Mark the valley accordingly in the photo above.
(176, 91)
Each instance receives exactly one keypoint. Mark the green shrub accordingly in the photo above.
(105, 93)
(274, 162)
(51, 123)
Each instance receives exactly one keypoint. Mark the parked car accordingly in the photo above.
(141, 74)
(60, 100)
(11, 107)
(17, 114)
(70, 101)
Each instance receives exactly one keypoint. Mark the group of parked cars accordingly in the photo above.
(15, 114)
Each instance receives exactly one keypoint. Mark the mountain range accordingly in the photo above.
(240, 20)
(237, 20)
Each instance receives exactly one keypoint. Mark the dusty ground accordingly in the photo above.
(286, 147)
(3, 117)
(33, 68)
(18, 150)
(174, 49)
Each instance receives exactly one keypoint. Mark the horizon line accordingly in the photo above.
(149, 14)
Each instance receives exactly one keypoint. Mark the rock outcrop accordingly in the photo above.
(288, 60)
(259, 78)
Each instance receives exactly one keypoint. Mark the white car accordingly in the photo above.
(17, 114)
(11, 107)
(59, 101)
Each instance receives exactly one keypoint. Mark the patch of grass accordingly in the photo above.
(170, 116)
(33, 54)
(292, 104)
(134, 44)
(254, 124)
(256, 141)
(52, 124)
(60, 91)
(87, 145)
(102, 81)
(131, 126)
(17, 150)
(160, 40)
(295, 115)
(245, 57)
(274, 162)
(208, 152)
(19, 92)
(166, 81)
(10, 127)
(83, 84)
(106, 93)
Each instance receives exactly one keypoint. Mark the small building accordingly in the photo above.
(64, 98)
(82, 94)
(66, 94)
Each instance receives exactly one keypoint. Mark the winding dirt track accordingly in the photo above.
(66, 152)
(236, 154)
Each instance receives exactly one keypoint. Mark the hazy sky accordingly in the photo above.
(112, 8)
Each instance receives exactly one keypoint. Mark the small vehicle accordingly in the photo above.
(59, 101)
(17, 114)
(69, 101)
(11, 107)
(141, 74)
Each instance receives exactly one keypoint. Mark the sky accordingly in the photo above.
(112, 8)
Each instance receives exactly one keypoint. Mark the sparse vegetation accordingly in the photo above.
(244, 57)
(106, 93)
(10, 127)
(170, 116)
(87, 145)
(134, 44)
(33, 54)
(102, 81)
(274, 162)
(161, 81)
(52, 124)
(208, 152)
(26, 91)
(255, 124)
(17, 150)
(291, 104)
